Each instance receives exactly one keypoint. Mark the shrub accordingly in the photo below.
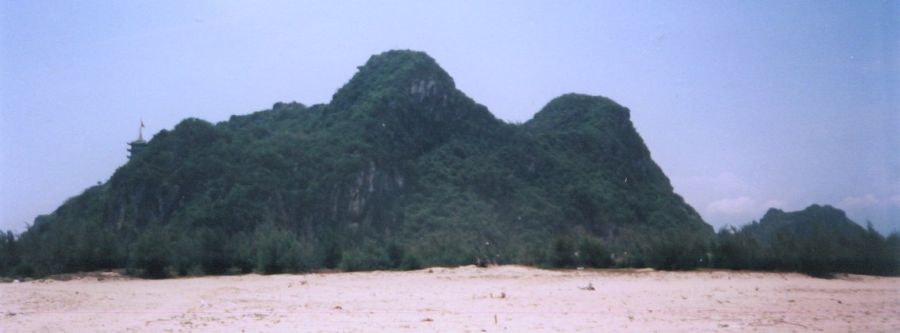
(278, 251)
(364, 259)
(410, 262)
(149, 253)
(562, 253)
(677, 250)
(212, 255)
(330, 253)
(9, 256)
(183, 254)
(241, 251)
(591, 253)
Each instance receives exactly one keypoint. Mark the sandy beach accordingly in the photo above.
(464, 299)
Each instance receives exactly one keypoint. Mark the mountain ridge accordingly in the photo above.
(399, 169)
(819, 240)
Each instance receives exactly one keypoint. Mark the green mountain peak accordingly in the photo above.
(397, 74)
(399, 169)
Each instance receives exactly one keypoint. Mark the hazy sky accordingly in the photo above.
(745, 105)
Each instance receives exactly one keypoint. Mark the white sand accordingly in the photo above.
(465, 299)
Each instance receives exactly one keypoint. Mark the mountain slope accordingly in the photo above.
(399, 169)
(817, 240)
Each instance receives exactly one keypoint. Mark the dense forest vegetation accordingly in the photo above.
(818, 240)
(401, 170)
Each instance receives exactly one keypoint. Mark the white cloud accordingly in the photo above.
(732, 206)
(773, 204)
(726, 182)
(740, 208)
(851, 202)
(869, 200)
(895, 200)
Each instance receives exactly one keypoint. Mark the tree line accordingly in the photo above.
(778, 243)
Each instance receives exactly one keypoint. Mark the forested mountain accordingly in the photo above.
(399, 170)
(817, 240)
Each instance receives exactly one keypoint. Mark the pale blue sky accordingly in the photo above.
(745, 105)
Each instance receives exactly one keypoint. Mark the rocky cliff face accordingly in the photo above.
(399, 157)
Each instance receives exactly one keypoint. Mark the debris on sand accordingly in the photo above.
(589, 287)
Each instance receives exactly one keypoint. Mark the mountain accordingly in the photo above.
(400, 169)
(817, 240)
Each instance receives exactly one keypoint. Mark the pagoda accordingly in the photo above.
(137, 146)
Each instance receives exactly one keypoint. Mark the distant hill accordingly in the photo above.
(399, 170)
(818, 240)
